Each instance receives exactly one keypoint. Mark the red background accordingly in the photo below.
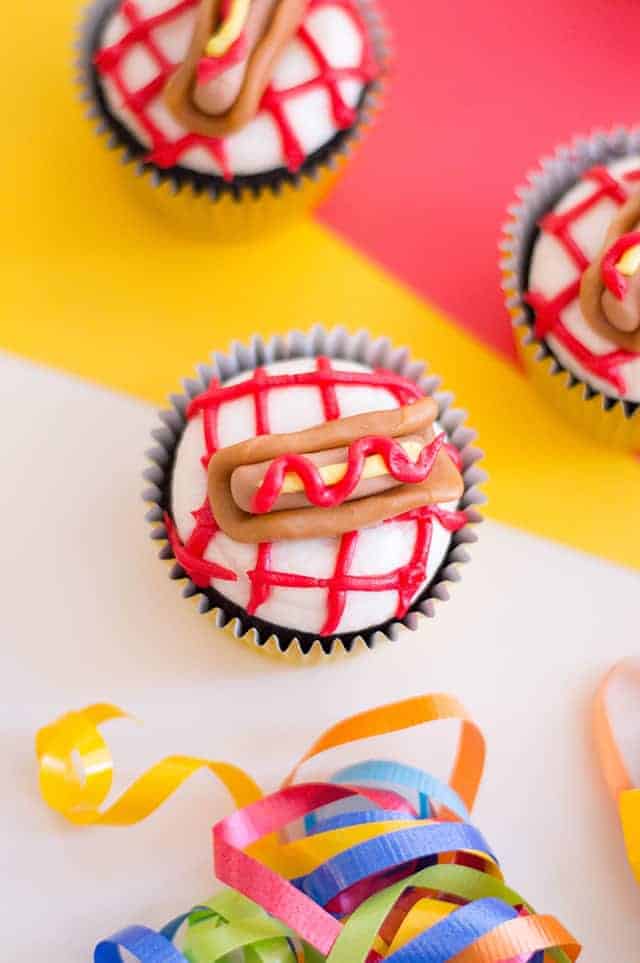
(479, 92)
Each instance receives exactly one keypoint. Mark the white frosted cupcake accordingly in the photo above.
(234, 96)
(572, 270)
(314, 495)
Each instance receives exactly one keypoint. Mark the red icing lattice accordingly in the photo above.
(166, 152)
(406, 580)
(548, 311)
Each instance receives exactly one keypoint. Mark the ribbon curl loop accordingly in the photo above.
(76, 773)
(617, 777)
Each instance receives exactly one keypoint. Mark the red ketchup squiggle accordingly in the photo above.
(397, 462)
(405, 580)
(211, 67)
(613, 278)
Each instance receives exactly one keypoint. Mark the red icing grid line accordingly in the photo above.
(167, 153)
(405, 580)
(548, 311)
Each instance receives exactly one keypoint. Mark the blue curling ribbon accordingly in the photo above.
(145, 944)
(450, 936)
(387, 852)
(393, 774)
(357, 818)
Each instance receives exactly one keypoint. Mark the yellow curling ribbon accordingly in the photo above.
(76, 773)
(424, 914)
(76, 766)
(303, 856)
(230, 29)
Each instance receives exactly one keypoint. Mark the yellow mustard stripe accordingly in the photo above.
(230, 29)
(101, 285)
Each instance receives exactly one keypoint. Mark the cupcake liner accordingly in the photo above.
(248, 204)
(335, 343)
(605, 417)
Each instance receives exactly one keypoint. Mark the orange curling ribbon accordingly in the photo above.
(469, 763)
(520, 938)
(616, 774)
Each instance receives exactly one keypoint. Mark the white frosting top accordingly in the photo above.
(552, 270)
(380, 550)
(258, 147)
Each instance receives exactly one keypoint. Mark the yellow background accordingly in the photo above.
(97, 282)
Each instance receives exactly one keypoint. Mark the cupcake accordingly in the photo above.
(314, 491)
(572, 276)
(240, 99)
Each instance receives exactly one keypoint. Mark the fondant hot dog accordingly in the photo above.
(250, 484)
(235, 45)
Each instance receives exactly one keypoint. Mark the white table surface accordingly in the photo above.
(87, 614)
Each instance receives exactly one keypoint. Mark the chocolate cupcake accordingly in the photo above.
(314, 491)
(239, 99)
(572, 276)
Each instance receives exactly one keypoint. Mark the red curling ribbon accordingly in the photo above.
(398, 464)
(253, 879)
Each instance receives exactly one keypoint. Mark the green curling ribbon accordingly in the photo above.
(234, 923)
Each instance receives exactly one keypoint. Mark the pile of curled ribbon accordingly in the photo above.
(380, 862)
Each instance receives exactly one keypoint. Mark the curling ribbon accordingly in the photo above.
(385, 866)
(616, 774)
(78, 791)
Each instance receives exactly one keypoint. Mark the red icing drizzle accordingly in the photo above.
(397, 462)
(617, 283)
(263, 577)
(190, 556)
(548, 312)
(164, 151)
